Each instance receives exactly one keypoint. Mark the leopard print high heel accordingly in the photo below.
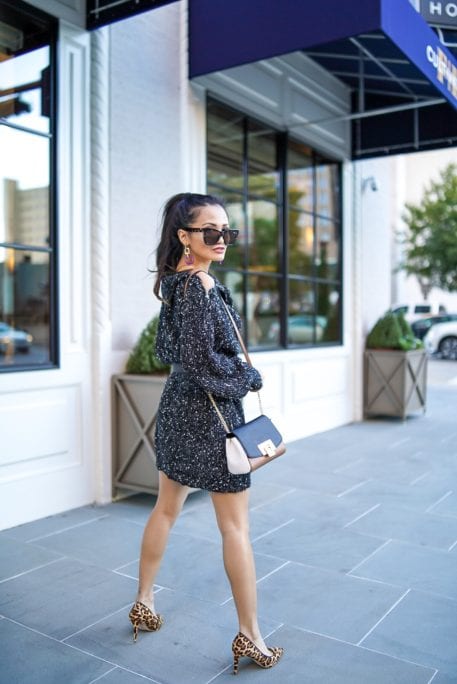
(242, 646)
(143, 618)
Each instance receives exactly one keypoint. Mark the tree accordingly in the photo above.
(430, 241)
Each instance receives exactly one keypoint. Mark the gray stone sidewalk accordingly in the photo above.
(355, 538)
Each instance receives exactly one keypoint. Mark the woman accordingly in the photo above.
(197, 338)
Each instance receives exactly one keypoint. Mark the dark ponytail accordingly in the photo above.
(180, 210)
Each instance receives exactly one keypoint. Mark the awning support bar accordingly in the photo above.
(386, 149)
(416, 129)
(381, 66)
(371, 112)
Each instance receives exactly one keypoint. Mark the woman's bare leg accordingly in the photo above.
(233, 521)
(155, 536)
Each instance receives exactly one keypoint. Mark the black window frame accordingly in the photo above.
(52, 28)
(284, 277)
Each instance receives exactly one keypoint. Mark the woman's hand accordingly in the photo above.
(256, 380)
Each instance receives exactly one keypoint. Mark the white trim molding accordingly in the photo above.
(100, 261)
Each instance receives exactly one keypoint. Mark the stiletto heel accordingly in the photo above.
(143, 618)
(242, 646)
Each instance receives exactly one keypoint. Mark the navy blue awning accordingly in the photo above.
(403, 80)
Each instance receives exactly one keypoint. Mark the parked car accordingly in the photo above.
(14, 340)
(423, 325)
(442, 339)
(301, 328)
(414, 312)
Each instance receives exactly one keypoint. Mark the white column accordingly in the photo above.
(100, 262)
(193, 119)
(356, 334)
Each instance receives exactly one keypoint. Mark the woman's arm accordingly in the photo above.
(220, 373)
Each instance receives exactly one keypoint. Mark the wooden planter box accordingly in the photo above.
(135, 400)
(395, 382)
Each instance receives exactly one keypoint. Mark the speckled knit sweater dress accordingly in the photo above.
(195, 331)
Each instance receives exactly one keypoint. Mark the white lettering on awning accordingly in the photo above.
(436, 8)
(446, 71)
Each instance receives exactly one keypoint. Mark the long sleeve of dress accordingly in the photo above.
(216, 370)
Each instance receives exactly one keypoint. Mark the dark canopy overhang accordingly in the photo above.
(403, 80)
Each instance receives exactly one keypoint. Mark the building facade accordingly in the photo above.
(98, 129)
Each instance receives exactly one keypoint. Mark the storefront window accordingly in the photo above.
(285, 271)
(27, 124)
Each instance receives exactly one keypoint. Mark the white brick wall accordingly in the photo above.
(145, 157)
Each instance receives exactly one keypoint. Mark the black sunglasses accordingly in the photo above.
(211, 236)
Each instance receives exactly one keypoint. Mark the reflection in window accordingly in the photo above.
(26, 172)
(234, 256)
(329, 311)
(263, 176)
(300, 176)
(301, 324)
(262, 235)
(328, 249)
(301, 242)
(327, 187)
(284, 198)
(263, 311)
(225, 147)
(24, 324)
(25, 86)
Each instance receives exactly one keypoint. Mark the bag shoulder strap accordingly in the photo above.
(192, 273)
(238, 334)
(248, 361)
(221, 417)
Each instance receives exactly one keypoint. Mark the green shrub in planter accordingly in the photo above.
(408, 333)
(143, 359)
(393, 331)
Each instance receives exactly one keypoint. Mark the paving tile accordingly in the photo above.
(421, 628)
(195, 567)
(119, 676)
(192, 646)
(54, 523)
(325, 602)
(332, 511)
(200, 523)
(325, 482)
(30, 658)
(407, 565)
(197, 518)
(315, 659)
(448, 506)
(137, 507)
(266, 492)
(389, 466)
(63, 597)
(442, 678)
(312, 544)
(418, 497)
(18, 557)
(309, 453)
(393, 522)
(108, 542)
(325, 511)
